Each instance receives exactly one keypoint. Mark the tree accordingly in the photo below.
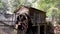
(15, 4)
(51, 7)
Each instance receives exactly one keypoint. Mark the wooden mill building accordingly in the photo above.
(37, 17)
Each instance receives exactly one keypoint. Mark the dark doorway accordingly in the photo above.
(33, 30)
(42, 29)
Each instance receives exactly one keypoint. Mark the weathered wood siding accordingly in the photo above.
(37, 16)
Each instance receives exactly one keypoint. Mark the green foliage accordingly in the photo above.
(47, 4)
(1, 4)
(51, 7)
(15, 4)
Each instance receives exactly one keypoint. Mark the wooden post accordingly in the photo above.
(38, 29)
(45, 29)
